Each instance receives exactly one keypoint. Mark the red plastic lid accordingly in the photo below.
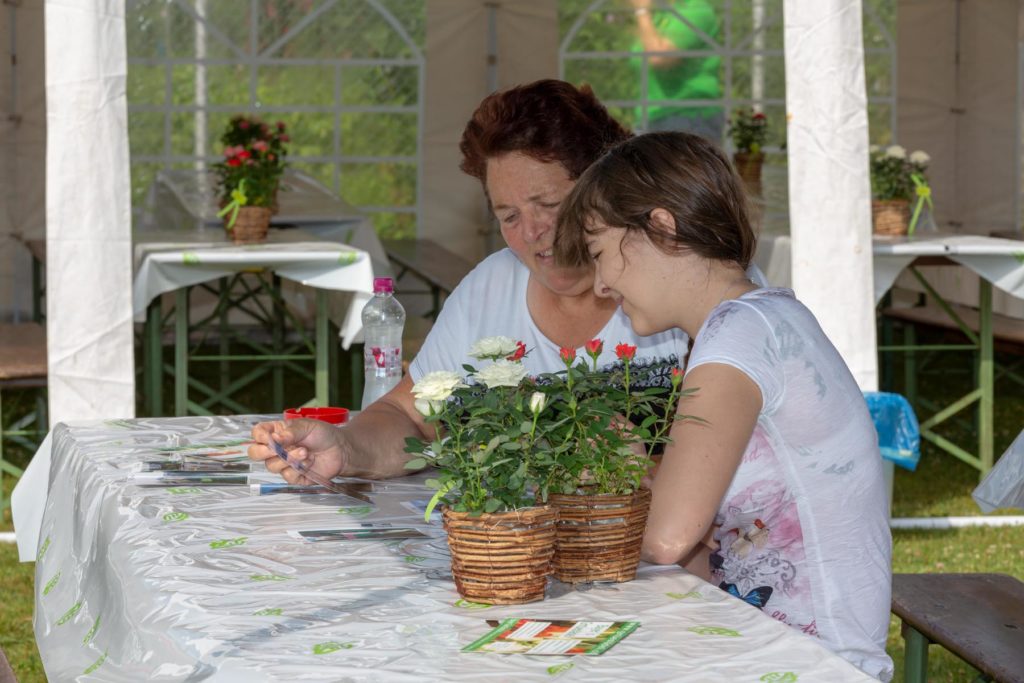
(335, 416)
(383, 284)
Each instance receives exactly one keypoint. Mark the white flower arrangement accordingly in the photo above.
(501, 373)
(492, 348)
(437, 386)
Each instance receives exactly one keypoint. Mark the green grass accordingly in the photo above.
(941, 486)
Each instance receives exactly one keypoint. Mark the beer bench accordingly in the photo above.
(977, 617)
(440, 269)
(23, 364)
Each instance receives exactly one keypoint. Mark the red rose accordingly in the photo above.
(244, 154)
(284, 138)
(594, 347)
(759, 116)
(677, 376)
(568, 355)
(234, 161)
(243, 124)
(625, 351)
(280, 126)
(519, 352)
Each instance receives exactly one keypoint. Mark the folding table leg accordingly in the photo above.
(153, 366)
(915, 658)
(321, 342)
(986, 380)
(277, 307)
(181, 351)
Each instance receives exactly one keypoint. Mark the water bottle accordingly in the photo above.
(383, 320)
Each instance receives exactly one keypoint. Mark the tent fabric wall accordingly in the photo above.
(525, 41)
(829, 187)
(22, 151)
(88, 212)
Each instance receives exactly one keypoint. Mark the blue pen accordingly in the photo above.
(298, 467)
(275, 487)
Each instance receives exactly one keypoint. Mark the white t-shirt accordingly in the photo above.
(804, 533)
(491, 301)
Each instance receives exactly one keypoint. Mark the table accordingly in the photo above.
(202, 583)
(998, 262)
(167, 262)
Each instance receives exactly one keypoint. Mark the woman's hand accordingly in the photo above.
(309, 443)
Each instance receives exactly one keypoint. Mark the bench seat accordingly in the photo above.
(442, 270)
(1007, 332)
(977, 617)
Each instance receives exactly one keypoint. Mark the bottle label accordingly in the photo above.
(382, 360)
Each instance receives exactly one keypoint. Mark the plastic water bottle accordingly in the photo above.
(383, 320)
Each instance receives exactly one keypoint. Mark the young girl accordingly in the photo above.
(784, 469)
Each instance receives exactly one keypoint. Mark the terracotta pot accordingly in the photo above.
(890, 216)
(251, 225)
(748, 166)
(599, 536)
(502, 558)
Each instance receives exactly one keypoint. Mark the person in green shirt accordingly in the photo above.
(680, 25)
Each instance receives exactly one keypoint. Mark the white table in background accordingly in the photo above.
(156, 584)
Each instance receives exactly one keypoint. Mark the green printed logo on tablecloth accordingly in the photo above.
(347, 258)
(559, 668)
(683, 596)
(92, 632)
(267, 577)
(189, 258)
(228, 542)
(51, 583)
(42, 550)
(175, 516)
(269, 612)
(123, 424)
(330, 646)
(713, 631)
(779, 677)
(70, 614)
(356, 511)
(178, 490)
(468, 604)
(1019, 255)
(95, 665)
(414, 559)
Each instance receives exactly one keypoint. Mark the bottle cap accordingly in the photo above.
(383, 284)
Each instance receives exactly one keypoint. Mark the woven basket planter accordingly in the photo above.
(890, 216)
(251, 225)
(599, 536)
(749, 168)
(503, 558)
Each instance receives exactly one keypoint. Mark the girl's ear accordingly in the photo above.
(663, 221)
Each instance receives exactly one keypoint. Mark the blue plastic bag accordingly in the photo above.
(899, 436)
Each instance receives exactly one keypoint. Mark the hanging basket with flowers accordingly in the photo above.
(897, 179)
(748, 130)
(249, 176)
(509, 445)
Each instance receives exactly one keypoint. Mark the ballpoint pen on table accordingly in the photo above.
(304, 471)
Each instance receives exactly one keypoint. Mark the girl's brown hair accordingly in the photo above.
(548, 120)
(684, 174)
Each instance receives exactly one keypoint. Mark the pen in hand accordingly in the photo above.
(302, 469)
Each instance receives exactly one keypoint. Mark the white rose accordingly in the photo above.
(426, 407)
(896, 152)
(874, 149)
(501, 373)
(492, 348)
(537, 402)
(437, 386)
(920, 158)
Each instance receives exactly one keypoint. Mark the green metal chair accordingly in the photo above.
(23, 366)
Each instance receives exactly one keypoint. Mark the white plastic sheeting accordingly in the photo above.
(88, 212)
(206, 583)
(829, 189)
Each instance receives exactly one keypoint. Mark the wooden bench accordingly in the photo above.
(22, 364)
(1007, 332)
(441, 269)
(977, 617)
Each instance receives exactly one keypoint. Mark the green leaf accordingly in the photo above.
(492, 505)
(416, 464)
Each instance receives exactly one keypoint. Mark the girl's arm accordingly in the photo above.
(701, 460)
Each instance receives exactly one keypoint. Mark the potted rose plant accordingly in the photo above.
(606, 420)
(895, 179)
(249, 175)
(491, 458)
(748, 130)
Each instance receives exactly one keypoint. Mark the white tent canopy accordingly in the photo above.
(957, 96)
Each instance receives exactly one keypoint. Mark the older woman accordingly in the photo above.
(527, 146)
(783, 463)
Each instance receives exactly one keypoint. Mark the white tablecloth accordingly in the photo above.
(996, 260)
(150, 584)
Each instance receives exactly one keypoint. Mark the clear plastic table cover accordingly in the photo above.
(205, 583)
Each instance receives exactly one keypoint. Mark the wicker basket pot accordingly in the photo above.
(502, 558)
(890, 216)
(748, 165)
(599, 536)
(251, 225)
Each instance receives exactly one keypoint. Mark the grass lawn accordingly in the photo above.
(941, 486)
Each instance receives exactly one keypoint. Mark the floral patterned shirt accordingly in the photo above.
(803, 528)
